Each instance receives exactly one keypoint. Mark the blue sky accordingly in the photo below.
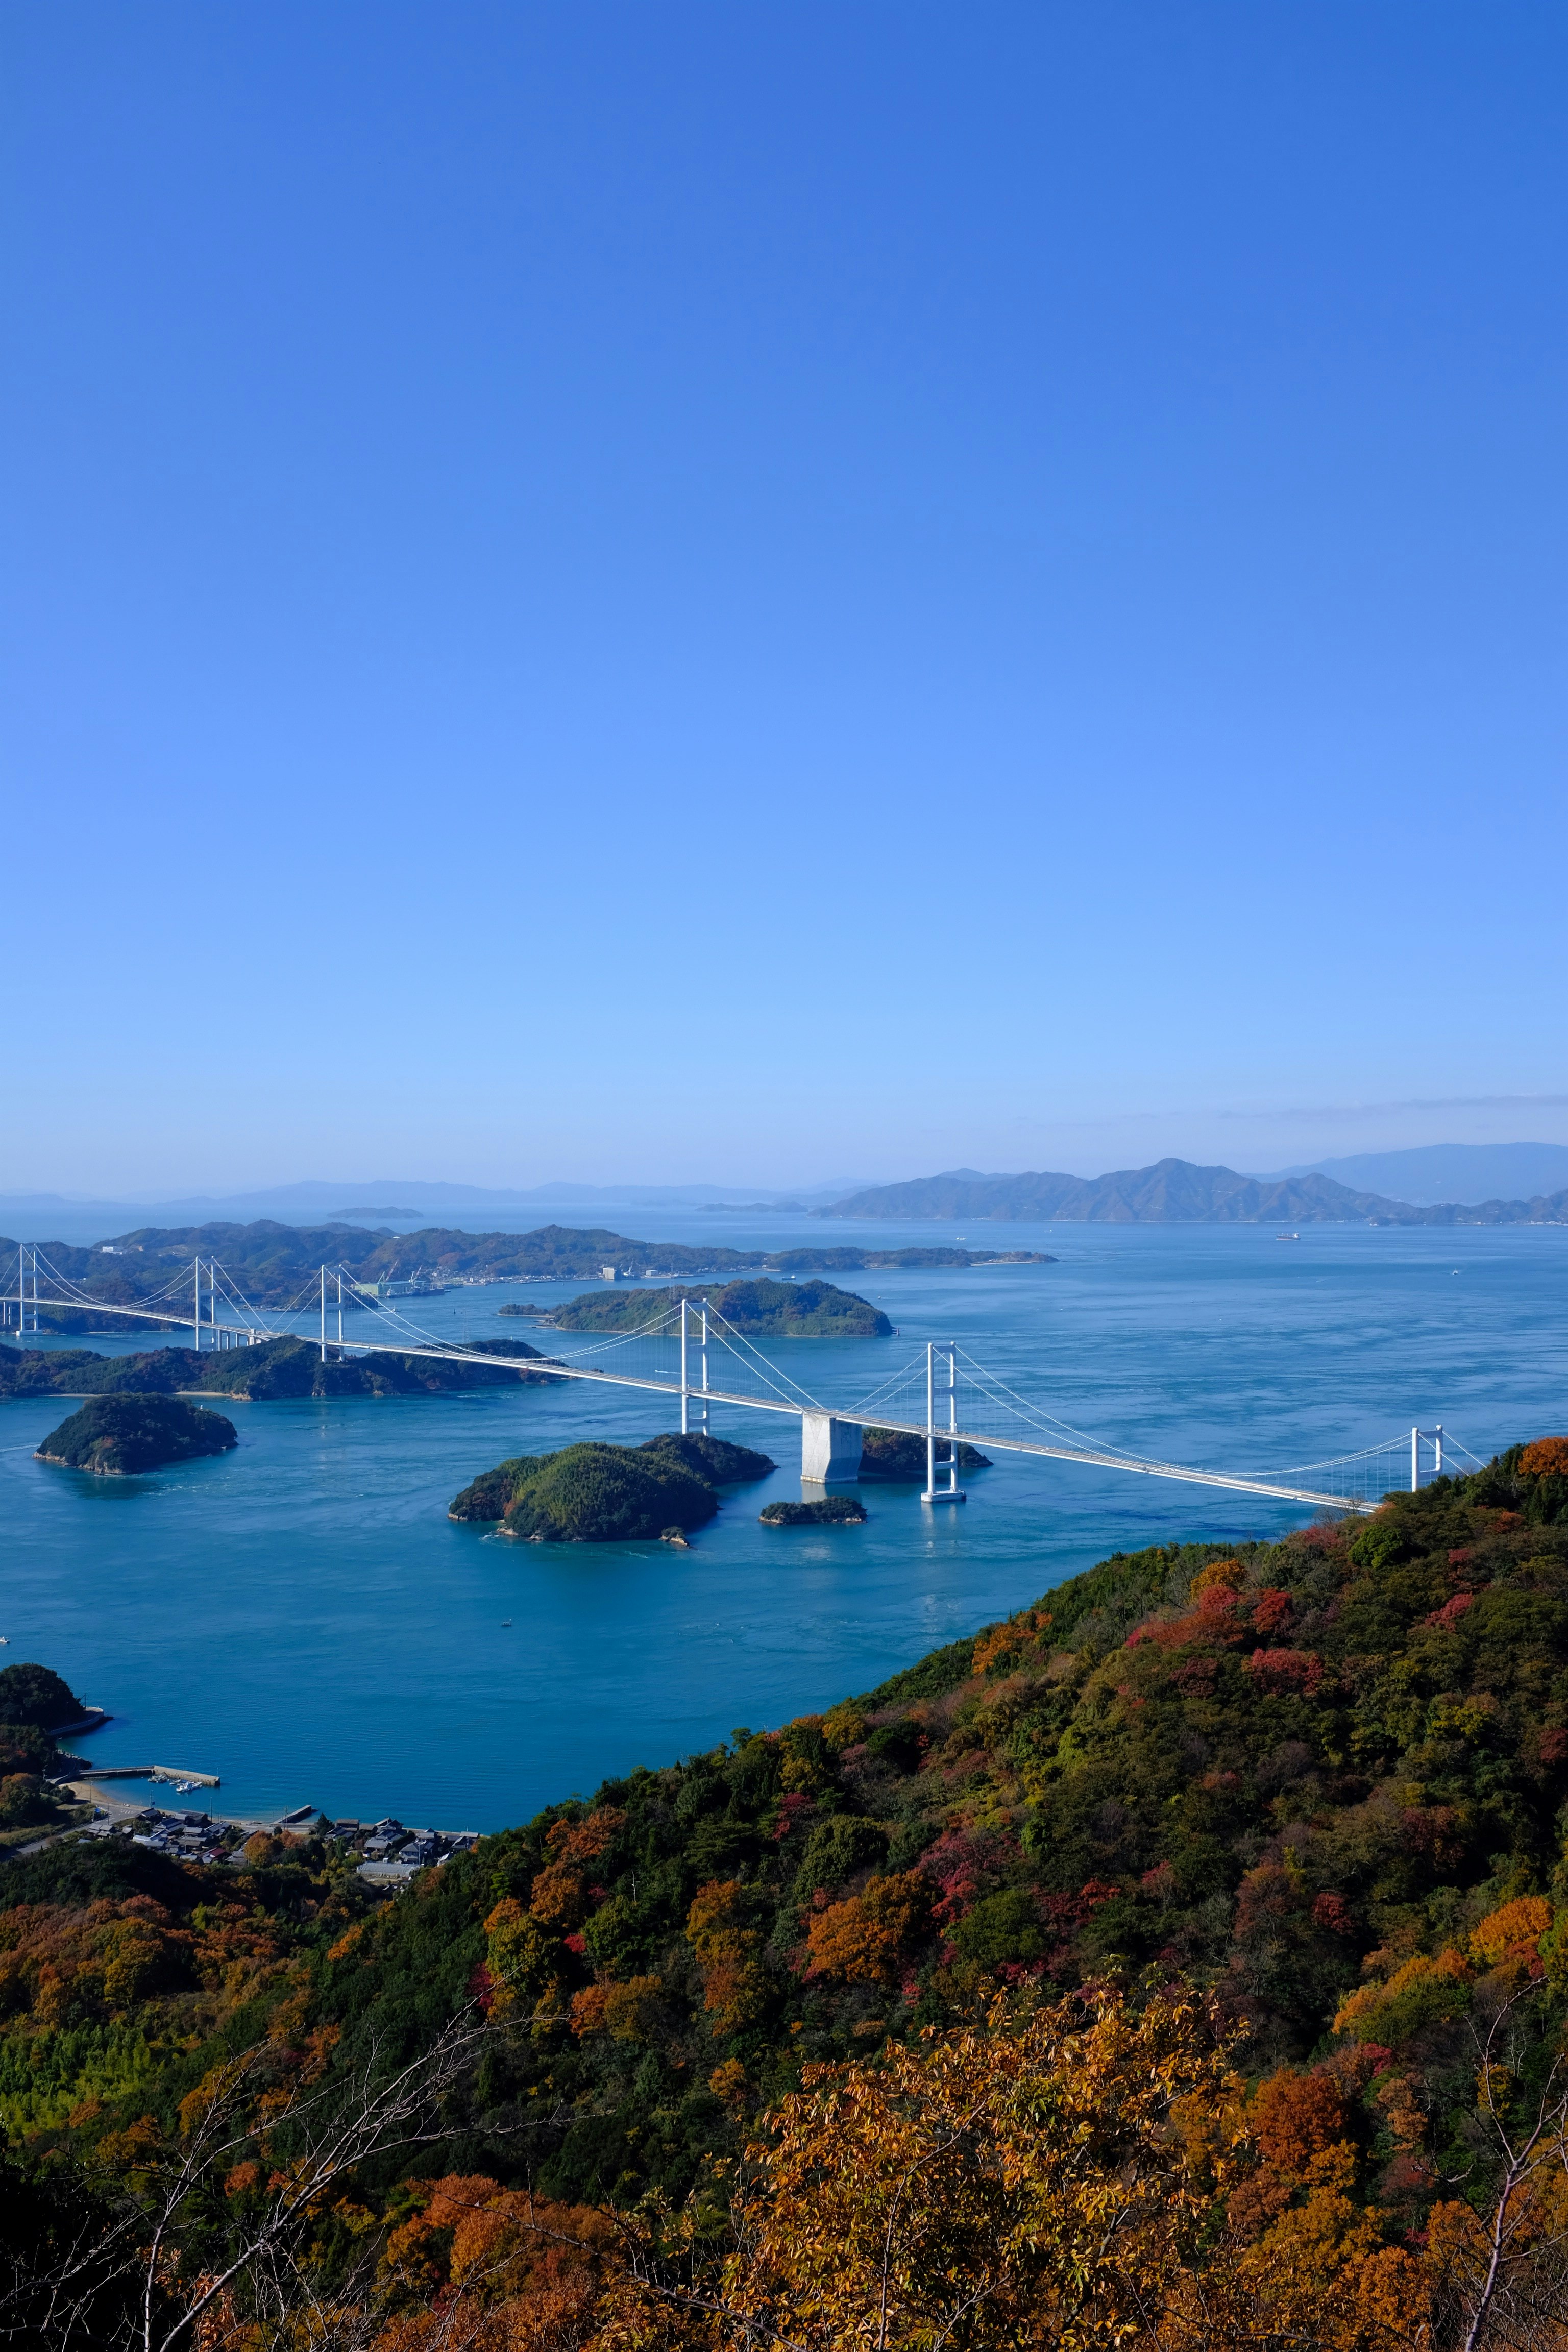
(761, 593)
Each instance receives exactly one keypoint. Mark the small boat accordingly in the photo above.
(1287, 1237)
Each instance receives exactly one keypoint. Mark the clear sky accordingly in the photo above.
(772, 591)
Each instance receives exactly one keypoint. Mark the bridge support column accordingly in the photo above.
(952, 1492)
(829, 1450)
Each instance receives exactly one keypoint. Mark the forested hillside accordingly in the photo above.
(1238, 1871)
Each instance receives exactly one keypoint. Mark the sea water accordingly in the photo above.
(301, 1616)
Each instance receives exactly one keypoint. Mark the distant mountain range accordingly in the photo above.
(1174, 1191)
(1441, 1172)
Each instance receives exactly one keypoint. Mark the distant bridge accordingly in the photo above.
(941, 1396)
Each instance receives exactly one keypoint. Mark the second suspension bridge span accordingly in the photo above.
(943, 1395)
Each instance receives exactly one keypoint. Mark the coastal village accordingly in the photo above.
(386, 1852)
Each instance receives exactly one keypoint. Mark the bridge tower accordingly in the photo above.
(952, 1492)
(1434, 1438)
(690, 1397)
(26, 1270)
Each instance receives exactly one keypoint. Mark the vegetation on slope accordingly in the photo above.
(120, 1436)
(36, 1694)
(762, 1309)
(1212, 1912)
(277, 1368)
(33, 1701)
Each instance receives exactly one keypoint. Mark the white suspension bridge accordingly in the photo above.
(941, 1396)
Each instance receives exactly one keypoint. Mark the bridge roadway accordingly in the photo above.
(1088, 1455)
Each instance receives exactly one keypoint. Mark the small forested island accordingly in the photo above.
(277, 1368)
(592, 1493)
(779, 1310)
(898, 1454)
(1185, 1954)
(120, 1436)
(830, 1511)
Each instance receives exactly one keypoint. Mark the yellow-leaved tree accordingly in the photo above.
(1059, 2179)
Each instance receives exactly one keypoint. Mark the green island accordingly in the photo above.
(830, 1511)
(1178, 1902)
(277, 1368)
(786, 1310)
(592, 1493)
(120, 1436)
(898, 1454)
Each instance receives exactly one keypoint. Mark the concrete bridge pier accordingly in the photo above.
(829, 1450)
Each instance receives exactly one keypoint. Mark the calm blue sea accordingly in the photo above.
(301, 1616)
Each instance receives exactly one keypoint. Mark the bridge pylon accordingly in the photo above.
(693, 1402)
(952, 1492)
(26, 1308)
(1434, 1438)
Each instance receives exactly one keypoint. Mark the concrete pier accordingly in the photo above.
(829, 1450)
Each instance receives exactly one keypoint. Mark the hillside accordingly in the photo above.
(772, 1310)
(1305, 1793)
(276, 1266)
(1172, 1191)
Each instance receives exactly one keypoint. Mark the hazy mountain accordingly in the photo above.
(1174, 1191)
(1459, 1172)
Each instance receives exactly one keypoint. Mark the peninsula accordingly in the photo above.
(277, 1368)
